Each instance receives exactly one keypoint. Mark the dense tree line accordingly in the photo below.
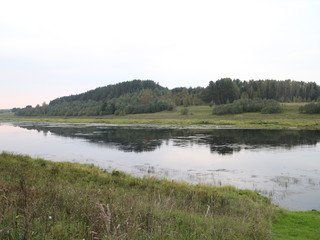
(146, 96)
(123, 98)
(5, 110)
(113, 91)
(187, 96)
(227, 90)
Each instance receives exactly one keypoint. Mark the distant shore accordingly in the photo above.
(197, 115)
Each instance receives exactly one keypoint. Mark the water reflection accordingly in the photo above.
(144, 139)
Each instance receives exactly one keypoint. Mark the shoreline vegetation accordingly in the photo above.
(289, 117)
(41, 199)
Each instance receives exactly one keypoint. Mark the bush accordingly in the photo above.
(184, 111)
(120, 112)
(269, 109)
(248, 105)
(310, 108)
(232, 108)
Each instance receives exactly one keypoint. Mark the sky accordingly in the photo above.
(50, 49)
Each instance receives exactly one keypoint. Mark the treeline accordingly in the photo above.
(130, 97)
(146, 96)
(227, 90)
(114, 91)
(5, 110)
(123, 98)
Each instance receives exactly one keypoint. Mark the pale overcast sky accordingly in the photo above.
(55, 48)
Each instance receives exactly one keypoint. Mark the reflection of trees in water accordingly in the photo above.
(222, 141)
(228, 141)
(124, 139)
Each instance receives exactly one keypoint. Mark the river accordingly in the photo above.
(281, 164)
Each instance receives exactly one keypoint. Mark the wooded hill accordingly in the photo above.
(130, 97)
(146, 96)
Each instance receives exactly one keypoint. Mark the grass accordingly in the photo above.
(297, 225)
(197, 115)
(46, 200)
(40, 199)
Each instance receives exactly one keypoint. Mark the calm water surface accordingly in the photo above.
(281, 164)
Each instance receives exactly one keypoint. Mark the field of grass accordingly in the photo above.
(198, 115)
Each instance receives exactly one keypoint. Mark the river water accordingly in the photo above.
(281, 164)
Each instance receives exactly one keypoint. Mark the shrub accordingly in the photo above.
(248, 105)
(184, 111)
(120, 112)
(231, 108)
(269, 109)
(310, 108)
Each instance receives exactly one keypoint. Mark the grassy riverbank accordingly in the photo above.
(47, 200)
(197, 115)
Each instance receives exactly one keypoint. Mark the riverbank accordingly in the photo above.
(49, 200)
(197, 115)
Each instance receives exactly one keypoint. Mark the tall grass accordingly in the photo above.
(46, 200)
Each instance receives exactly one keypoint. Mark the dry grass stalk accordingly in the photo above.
(105, 214)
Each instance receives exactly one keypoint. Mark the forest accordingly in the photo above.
(227, 90)
(146, 96)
